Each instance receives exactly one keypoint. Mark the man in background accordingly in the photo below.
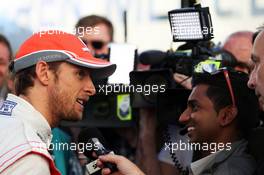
(256, 80)
(5, 58)
(240, 45)
(101, 33)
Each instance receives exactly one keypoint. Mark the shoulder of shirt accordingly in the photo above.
(239, 162)
(19, 130)
(29, 164)
(236, 166)
(18, 139)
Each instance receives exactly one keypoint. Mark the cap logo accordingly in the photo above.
(85, 48)
(49, 57)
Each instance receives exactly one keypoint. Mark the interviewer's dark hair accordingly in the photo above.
(245, 98)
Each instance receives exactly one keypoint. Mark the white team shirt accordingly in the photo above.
(24, 138)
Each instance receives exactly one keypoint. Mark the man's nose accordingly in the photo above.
(185, 117)
(252, 80)
(89, 86)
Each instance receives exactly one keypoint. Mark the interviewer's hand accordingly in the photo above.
(124, 166)
(183, 80)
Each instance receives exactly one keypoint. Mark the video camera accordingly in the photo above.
(183, 59)
(192, 25)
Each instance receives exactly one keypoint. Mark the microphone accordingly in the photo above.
(152, 57)
(92, 136)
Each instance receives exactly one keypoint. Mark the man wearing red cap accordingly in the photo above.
(53, 79)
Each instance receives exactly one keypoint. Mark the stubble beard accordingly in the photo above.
(60, 107)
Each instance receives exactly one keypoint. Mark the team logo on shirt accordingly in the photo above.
(7, 107)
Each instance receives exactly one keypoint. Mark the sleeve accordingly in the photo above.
(239, 165)
(31, 164)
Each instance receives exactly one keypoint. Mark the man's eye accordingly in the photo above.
(194, 107)
(81, 74)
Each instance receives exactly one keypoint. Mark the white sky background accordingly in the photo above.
(20, 18)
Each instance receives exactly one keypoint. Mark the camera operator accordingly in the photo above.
(240, 44)
(220, 112)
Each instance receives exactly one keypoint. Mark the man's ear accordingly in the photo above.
(42, 72)
(227, 115)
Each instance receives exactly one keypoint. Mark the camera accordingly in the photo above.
(192, 25)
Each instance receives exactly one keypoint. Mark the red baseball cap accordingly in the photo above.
(56, 45)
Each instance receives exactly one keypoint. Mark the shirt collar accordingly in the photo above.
(33, 117)
(198, 166)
